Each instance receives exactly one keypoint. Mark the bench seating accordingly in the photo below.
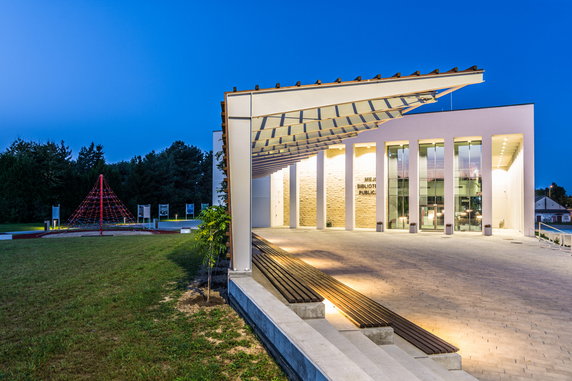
(358, 308)
(287, 284)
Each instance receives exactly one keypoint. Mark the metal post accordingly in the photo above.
(100, 204)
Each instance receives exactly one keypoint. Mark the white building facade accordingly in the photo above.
(462, 170)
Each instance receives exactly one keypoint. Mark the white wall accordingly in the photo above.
(508, 195)
(515, 194)
(483, 122)
(261, 209)
(268, 200)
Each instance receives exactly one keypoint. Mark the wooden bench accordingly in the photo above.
(287, 284)
(358, 308)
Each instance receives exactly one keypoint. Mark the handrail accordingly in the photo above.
(551, 227)
(554, 236)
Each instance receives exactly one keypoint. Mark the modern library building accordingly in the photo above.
(463, 170)
(351, 155)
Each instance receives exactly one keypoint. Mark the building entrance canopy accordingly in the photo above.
(265, 130)
(282, 139)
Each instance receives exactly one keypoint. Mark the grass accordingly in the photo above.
(20, 227)
(105, 308)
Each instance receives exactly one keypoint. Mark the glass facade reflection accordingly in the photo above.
(468, 186)
(431, 186)
(398, 186)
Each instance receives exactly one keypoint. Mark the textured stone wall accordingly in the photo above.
(307, 173)
(286, 174)
(364, 186)
(335, 186)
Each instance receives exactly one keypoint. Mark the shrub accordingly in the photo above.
(212, 238)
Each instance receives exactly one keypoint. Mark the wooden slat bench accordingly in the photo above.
(361, 310)
(287, 284)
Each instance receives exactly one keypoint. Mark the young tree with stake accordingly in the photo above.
(212, 238)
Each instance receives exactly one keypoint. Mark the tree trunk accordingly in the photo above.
(209, 285)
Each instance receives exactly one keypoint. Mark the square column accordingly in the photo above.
(449, 184)
(528, 183)
(294, 196)
(414, 183)
(487, 180)
(320, 191)
(239, 146)
(277, 198)
(349, 188)
(380, 182)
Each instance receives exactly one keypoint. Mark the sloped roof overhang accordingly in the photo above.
(289, 124)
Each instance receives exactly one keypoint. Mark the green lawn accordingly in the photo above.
(104, 308)
(20, 227)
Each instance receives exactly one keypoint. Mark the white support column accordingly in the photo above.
(487, 180)
(277, 199)
(449, 167)
(414, 183)
(380, 182)
(320, 191)
(350, 193)
(528, 182)
(239, 132)
(294, 197)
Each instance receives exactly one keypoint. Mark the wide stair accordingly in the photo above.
(388, 362)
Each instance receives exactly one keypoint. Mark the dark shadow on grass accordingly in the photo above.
(189, 259)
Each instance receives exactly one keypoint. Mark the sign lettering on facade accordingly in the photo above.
(367, 187)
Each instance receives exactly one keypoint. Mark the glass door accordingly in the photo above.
(432, 217)
(431, 186)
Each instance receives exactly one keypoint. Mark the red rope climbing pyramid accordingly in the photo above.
(99, 208)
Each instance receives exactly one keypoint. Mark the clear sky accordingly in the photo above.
(137, 75)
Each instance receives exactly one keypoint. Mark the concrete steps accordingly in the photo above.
(386, 362)
(363, 352)
(342, 343)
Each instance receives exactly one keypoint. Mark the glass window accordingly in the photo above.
(468, 186)
(397, 186)
(431, 186)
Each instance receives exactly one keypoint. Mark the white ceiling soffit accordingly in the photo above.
(283, 139)
(290, 124)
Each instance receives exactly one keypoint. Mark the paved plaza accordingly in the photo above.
(505, 301)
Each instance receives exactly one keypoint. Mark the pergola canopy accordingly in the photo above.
(265, 130)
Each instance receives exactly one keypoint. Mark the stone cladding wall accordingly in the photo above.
(364, 186)
(307, 173)
(335, 186)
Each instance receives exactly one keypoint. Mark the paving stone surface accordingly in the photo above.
(505, 301)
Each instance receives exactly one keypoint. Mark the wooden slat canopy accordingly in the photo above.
(279, 140)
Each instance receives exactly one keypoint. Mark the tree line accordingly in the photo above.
(557, 193)
(34, 176)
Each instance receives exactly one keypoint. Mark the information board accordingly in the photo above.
(56, 212)
(163, 210)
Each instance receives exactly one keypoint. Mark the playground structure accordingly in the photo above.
(100, 207)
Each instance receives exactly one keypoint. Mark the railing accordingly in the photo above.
(553, 237)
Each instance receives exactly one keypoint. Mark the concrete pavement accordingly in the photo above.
(506, 302)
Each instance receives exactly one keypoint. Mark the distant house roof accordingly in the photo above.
(544, 204)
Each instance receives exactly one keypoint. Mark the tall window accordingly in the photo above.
(431, 186)
(468, 186)
(397, 186)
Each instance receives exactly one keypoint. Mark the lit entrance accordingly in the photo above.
(432, 217)
(431, 186)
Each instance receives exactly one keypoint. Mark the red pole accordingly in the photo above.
(100, 204)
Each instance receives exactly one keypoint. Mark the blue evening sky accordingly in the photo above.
(137, 75)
